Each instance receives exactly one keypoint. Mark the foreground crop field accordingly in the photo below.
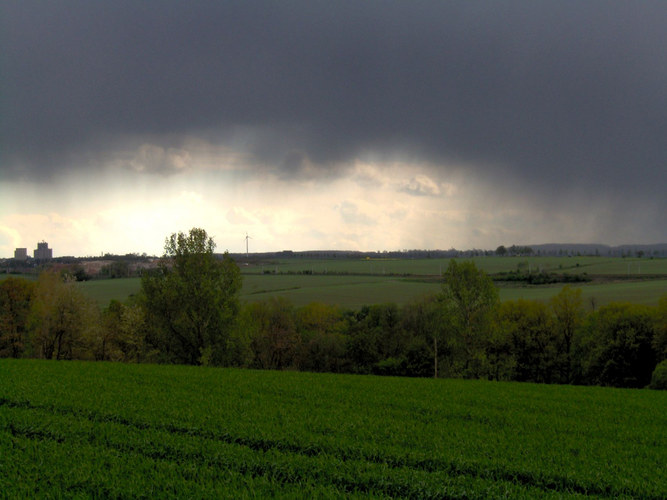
(111, 430)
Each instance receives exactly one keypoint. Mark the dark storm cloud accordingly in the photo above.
(548, 94)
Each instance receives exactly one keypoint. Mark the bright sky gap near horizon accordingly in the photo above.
(331, 125)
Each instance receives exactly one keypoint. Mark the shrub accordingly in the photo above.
(390, 366)
(659, 378)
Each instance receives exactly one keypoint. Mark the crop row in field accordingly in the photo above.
(137, 430)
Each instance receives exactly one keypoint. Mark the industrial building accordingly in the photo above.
(21, 254)
(43, 252)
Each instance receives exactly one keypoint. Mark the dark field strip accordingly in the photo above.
(348, 469)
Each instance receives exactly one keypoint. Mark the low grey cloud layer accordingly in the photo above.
(542, 98)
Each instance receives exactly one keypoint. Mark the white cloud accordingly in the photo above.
(150, 158)
(240, 216)
(65, 234)
(278, 213)
(369, 176)
(421, 185)
(368, 206)
(352, 215)
(10, 239)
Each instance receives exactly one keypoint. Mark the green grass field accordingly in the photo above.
(103, 291)
(435, 267)
(353, 283)
(639, 292)
(355, 291)
(75, 429)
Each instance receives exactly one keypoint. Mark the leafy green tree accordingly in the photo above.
(117, 269)
(418, 362)
(499, 347)
(534, 342)
(64, 322)
(423, 319)
(192, 300)
(239, 350)
(659, 377)
(364, 345)
(275, 340)
(377, 334)
(470, 298)
(16, 295)
(660, 338)
(386, 320)
(568, 309)
(323, 341)
(133, 332)
(318, 317)
(323, 352)
(106, 345)
(617, 346)
(122, 333)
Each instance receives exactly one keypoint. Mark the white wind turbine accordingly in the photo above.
(246, 244)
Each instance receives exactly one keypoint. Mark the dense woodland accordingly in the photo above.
(188, 312)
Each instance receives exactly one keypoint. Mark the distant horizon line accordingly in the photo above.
(539, 246)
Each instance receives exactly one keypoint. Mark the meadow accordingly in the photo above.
(353, 283)
(77, 429)
(490, 264)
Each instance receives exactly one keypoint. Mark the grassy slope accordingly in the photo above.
(169, 431)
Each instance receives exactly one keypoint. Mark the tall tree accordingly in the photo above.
(618, 345)
(568, 308)
(660, 338)
(15, 299)
(322, 347)
(533, 339)
(192, 299)
(275, 340)
(63, 320)
(121, 336)
(469, 297)
(423, 319)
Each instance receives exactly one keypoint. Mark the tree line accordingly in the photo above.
(188, 311)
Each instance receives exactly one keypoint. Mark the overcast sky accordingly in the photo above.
(332, 125)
